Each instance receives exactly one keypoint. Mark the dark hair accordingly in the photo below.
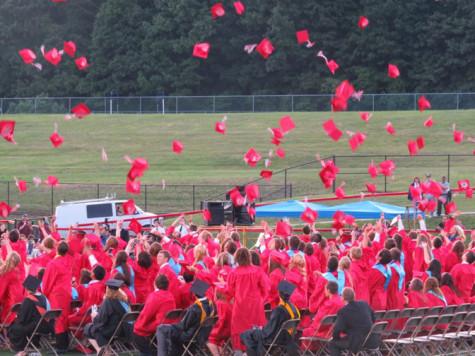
(294, 242)
(231, 247)
(85, 276)
(389, 244)
(165, 254)
(279, 244)
(316, 237)
(99, 272)
(435, 269)
(395, 254)
(384, 256)
(416, 285)
(447, 280)
(121, 261)
(193, 227)
(14, 235)
(398, 240)
(188, 277)
(155, 248)
(332, 264)
(348, 294)
(255, 258)
(470, 257)
(235, 236)
(161, 282)
(309, 249)
(306, 230)
(243, 257)
(458, 248)
(437, 242)
(63, 248)
(144, 260)
(332, 287)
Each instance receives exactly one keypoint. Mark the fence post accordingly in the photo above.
(8, 193)
(290, 186)
(214, 104)
(334, 182)
(52, 200)
(285, 183)
(458, 101)
(176, 105)
(145, 195)
(1, 106)
(415, 101)
(253, 103)
(140, 105)
(292, 103)
(194, 201)
(373, 102)
(385, 178)
(448, 168)
(36, 104)
(69, 104)
(98, 192)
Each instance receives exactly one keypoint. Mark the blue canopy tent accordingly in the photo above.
(371, 210)
(290, 209)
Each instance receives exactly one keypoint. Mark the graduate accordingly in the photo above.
(107, 318)
(415, 296)
(359, 274)
(11, 289)
(156, 307)
(163, 261)
(57, 288)
(254, 339)
(463, 275)
(32, 309)
(378, 281)
(451, 293)
(396, 288)
(332, 304)
(171, 338)
(336, 275)
(435, 297)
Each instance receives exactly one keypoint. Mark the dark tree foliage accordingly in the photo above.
(144, 47)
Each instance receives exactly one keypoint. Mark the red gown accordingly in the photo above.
(157, 305)
(11, 292)
(142, 282)
(184, 297)
(299, 296)
(318, 295)
(395, 295)
(433, 301)
(450, 261)
(416, 300)
(92, 295)
(450, 296)
(463, 275)
(378, 296)
(359, 275)
(249, 290)
(57, 288)
(276, 276)
(173, 282)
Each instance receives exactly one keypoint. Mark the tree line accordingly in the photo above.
(144, 47)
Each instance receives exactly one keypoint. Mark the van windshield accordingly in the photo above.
(99, 211)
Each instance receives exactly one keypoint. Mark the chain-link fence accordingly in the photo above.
(230, 104)
(297, 181)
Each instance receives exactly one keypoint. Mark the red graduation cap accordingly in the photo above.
(129, 207)
(365, 116)
(309, 216)
(81, 110)
(5, 209)
(328, 173)
(27, 55)
(349, 219)
(390, 128)
(427, 205)
(201, 50)
(432, 188)
(421, 142)
(412, 147)
(53, 56)
(429, 122)
(206, 215)
(252, 192)
(56, 139)
(356, 140)
(340, 192)
(283, 229)
(252, 157)
(135, 226)
(251, 211)
(387, 168)
(302, 37)
(275, 141)
(469, 193)
(138, 167)
(81, 63)
(217, 10)
(239, 7)
(286, 124)
(371, 188)
(345, 90)
(7, 130)
(21, 185)
(331, 130)
(423, 103)
(132, 187)
(339, 104)
(220, 127)
(265, 48)
(458, 136)
(463, 184)
(236, 197)
(450, 207)
(52, 181)
(177, 146)
(393, 71)
(372, 170)
(416, 193)
(277, 133)
(266, 174)
(280, 152)
(332, 66)
(69, 48)
(363, 22)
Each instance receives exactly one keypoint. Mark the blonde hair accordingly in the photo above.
(199, 252)
(356, 253)
(12, 261)
(432, 284)
(344, 263)
(298, 262)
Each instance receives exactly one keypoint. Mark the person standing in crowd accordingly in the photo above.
(445, 197)
(379, 279)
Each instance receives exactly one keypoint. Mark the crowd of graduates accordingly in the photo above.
(302, 276)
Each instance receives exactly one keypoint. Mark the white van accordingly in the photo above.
(97, 210)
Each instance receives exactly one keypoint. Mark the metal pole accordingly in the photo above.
(110, 108)
(176, 105)
(415, 101)
(69, 104)
(285, 183)
(448, 168)
(373, 102)
(334, 182)
(140, 104)
(194, 201)
(291, 186)
(36, 105)
(214, 104)
(385, 178)
(8, 193)
(253, 103)
(145, 195)
(52, 200)
(97, 189)
(292, 103)
(163, 106)
(458, 101)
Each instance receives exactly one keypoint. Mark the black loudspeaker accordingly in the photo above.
(242, 217)
(221, 211)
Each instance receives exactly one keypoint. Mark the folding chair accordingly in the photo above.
(377, 329)
(453, 336)
(329, 320)
(404, 338)
(115, 345)
(74, 330)
(420, 312)
(15, 309)
(439, 340)
(136, 307)
(207, 323)
(391, 316)
(378, 315)
(463, 308)
(43, 338)
(451, 309)
(423, 343)
(289, 326)
(465, 336)
(435, 311)
(398, 322)
(172, 317)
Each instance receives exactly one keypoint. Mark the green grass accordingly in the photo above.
(210, 158)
